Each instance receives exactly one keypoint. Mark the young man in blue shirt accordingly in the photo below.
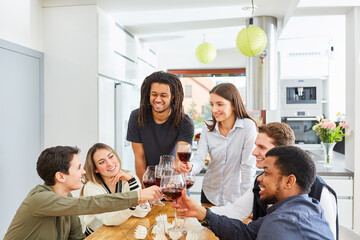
(288, 175)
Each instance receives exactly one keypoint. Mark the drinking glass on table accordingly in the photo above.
(149, 179)
(172, 184)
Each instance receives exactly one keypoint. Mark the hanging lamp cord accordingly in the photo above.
(252, 13)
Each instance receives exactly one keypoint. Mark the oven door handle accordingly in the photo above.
(301, 119)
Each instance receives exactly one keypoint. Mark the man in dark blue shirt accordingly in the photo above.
(160, 123)
(288, 175)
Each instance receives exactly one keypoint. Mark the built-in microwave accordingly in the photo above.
(301, 97)
(302, 127)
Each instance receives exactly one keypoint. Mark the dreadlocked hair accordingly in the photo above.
(176, 89)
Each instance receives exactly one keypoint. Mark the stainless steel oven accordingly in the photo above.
(300, 105)
(302, 127)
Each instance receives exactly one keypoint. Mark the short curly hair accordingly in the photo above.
(293, 160)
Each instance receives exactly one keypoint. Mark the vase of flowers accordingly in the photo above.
(329, 135)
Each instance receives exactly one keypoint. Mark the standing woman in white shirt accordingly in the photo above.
(229, 138)
(105, 176)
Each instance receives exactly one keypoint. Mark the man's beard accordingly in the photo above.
(269, 200)
(273, 198)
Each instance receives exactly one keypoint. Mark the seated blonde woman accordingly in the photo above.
(104, 175)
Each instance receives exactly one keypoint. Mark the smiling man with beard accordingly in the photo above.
(160, 123)
(288, 175)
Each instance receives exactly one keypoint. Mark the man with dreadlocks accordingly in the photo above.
(160, 123)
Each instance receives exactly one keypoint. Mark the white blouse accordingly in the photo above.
(232, 166)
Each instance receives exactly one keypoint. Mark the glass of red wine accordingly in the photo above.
(189, 179)
(149, 179)
(172, 184)
(184, 152)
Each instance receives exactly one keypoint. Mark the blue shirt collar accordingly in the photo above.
(278, 204)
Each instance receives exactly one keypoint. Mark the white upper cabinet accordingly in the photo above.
(117, 50)
(82, 43)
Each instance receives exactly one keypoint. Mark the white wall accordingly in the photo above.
(316, 34)
(71, 70)
(226, 58)
(352, 151)
(20, 22)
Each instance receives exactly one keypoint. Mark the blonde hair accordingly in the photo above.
(90, 167)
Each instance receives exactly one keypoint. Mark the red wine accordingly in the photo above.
(184, 156)
(149, 183)
(158, 180)
(172, 192)
(189, 184)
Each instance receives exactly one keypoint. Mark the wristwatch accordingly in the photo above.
(205, 221)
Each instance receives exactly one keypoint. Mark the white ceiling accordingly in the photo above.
(168, 25)
(182, 25)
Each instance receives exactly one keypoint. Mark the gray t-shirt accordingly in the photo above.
(159, 139)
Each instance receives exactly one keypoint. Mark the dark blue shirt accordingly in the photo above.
(159, 139)
(260, 208)
(296, 217)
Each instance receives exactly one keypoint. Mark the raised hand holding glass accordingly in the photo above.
(149, 179)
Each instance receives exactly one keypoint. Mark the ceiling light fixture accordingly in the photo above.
(205, 52)
(249, 9)
(252, 40)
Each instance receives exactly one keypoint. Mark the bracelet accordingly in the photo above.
(205, 221)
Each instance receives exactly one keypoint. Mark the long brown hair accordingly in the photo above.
(177, 94)
(230, 93)
(90, 167)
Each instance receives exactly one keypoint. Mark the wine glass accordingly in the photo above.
(189, 179)
(160, 171)
(172, 184)
(167, 161)
(149, 179)
(184, 152)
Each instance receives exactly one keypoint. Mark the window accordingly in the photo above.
(200, 82)
(188, 91)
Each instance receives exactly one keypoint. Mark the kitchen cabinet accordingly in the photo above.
(83, 45)
(343, 186)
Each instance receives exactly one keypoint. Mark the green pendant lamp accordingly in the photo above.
(205, 52)
(251, 41)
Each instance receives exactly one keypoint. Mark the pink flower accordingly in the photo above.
(344, 125)
(325, 120)
(330, 125)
